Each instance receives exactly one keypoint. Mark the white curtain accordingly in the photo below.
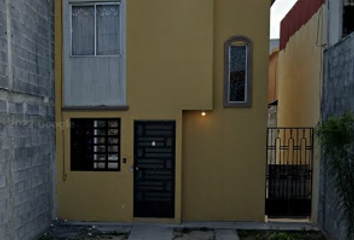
(83, 27)
(107, 29)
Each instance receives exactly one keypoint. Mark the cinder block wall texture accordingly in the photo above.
(27, 131)
(338, 97)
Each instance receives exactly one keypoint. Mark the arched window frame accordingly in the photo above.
(248, 75)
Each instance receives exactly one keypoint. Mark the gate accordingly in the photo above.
(289, 172)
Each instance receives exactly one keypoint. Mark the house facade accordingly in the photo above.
(164, 109)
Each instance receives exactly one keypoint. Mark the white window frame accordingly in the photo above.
(95, 3)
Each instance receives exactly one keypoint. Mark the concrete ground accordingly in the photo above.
(184, 231)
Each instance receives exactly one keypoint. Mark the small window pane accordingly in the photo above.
(100, 165)
(112, 148)
(100, 140)
(100, 123)
(113, 132)
(112, 157)
(113, 124)
(83, 30)
(107, 30)
(237, 91)
(100, 149)
(100, 132)
(113, 166)
(99, 157)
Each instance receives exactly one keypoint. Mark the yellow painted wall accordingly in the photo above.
(175, 62)
(224, 153)
(300, 85)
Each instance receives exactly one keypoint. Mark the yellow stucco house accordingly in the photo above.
(165, 109)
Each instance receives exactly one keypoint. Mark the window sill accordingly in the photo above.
(94, 108)
(238, 105)
(95, 56)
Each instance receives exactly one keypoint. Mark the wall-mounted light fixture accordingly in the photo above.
(203, 114)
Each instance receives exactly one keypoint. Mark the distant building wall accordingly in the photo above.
(334, 13)
(272, 88)
(273, 63)
(26, 118)
(338, 88)
(300, 75)
(272, 116)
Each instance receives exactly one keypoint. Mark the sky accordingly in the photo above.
(278, 11)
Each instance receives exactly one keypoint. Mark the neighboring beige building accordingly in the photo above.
(167, 103)
(273, 68)
(308, 30)
(300, 75)
(272, 83)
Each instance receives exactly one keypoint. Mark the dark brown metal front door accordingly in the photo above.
(154, 169)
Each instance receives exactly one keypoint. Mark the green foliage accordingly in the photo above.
(336, 136)
(337, 132)
(187, 230)
(279, 235)
(275, 236)
(242, 233)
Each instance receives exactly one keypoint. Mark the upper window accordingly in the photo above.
(238, 72)
(95, 29)
(95, 145)
(348, 17)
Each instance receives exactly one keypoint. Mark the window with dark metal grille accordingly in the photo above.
(95, 144)
(348, 17)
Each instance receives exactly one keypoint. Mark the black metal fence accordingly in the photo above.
(289, 171)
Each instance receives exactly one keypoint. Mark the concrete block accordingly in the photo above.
(2, 181)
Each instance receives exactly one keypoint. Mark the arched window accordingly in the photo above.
(238, 72)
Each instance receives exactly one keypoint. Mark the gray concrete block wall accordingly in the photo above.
(338, 97)
(3, 46)
(27, 129)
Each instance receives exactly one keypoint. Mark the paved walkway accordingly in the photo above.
(151, 232)
(194, 230)
(280, 225)
(226, 234)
